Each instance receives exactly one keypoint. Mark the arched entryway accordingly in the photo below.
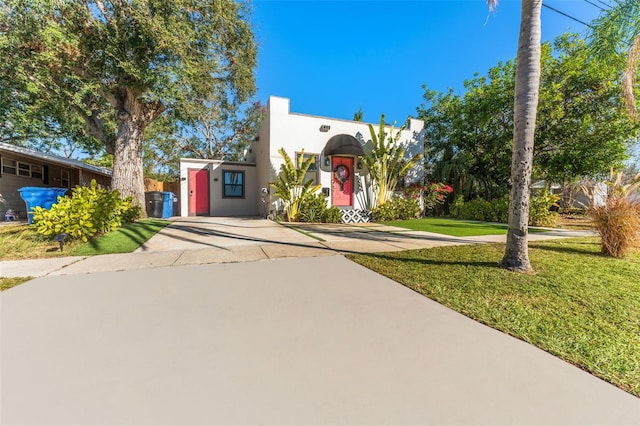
(342, 152)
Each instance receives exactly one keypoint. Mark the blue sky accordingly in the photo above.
(333, 57)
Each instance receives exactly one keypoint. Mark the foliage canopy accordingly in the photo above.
(105, 69)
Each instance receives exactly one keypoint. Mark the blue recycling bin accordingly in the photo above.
(168, 204)
(35, 196)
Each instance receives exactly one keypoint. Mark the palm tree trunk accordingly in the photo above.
(516, 256)
(629, 78)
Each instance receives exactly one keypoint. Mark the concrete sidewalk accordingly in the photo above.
(205, 240)
(315, 340)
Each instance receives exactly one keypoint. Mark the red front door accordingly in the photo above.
(198, 192)
(342, 181)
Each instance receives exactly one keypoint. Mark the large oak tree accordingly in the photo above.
(111, 67)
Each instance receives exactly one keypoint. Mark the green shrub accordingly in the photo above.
(398, 208)
(498, 210)
(130, 211)
(314, 209)
(488, 211)
(333, 215)
(540, 213)
(90, 211)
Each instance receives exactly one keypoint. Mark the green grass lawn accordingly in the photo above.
(7, 283)
(123, 240)
(453, 227)
(23, 242)
(578, 305)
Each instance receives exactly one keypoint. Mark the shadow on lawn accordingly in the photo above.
(133, 233)
(423, 261)
(589, 248)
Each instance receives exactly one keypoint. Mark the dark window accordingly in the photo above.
(64, 179)
(24, 169)
(9, 166)
(36, 172)
(232, 184)
(313, 171)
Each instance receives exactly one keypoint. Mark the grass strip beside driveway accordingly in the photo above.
(454, 227)
(578, 305)
(7, 283)
(19, 242)
(123, 240)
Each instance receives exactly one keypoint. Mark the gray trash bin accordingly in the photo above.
(154, 201)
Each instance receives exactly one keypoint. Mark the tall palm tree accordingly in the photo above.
(516, 256)
(616, 34)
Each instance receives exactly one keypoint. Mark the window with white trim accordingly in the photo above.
(9, 166)
(24, 169)
(19, 168)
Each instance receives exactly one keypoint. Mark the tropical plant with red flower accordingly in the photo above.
(413, 191)
(435, 193)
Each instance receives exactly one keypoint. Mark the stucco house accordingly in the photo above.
(214, 188)
(21, 167)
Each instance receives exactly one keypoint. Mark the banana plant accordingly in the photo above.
(291, 187)
(386, 162)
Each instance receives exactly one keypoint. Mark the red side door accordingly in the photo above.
(198, 192)
(342, 181)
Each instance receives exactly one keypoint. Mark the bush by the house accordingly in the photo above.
(397, 208)
(88, 212)
(314, 209)
(333, 215)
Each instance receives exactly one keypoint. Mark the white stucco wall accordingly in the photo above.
(293, 131)
(219, 206)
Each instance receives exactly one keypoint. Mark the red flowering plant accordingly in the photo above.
(432, 193)
(413, 191)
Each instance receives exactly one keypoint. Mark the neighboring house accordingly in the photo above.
(242, 188)
(21, 167)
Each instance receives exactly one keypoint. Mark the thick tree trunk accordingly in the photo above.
(127, 160)
(516, 256)
(133, 118)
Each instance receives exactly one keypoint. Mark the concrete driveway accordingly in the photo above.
(172, 334)
(314, 340)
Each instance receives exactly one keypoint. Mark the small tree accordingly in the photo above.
(291, 187)
(386, 162)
